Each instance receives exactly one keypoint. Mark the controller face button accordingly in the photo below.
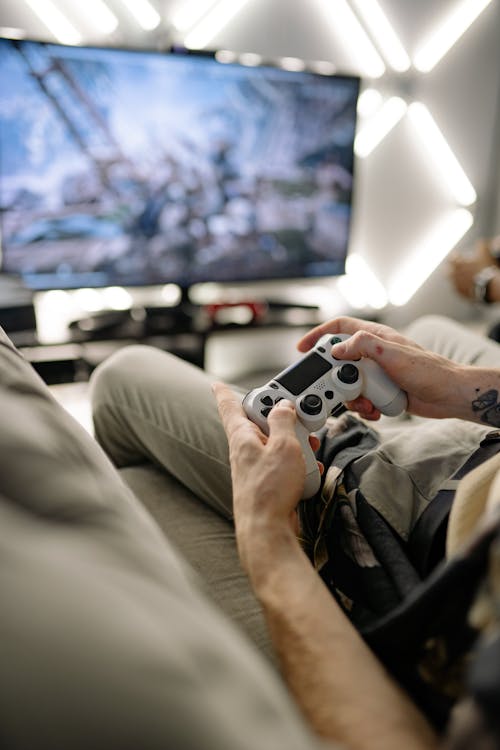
(335, 340)
(267, 401)
(265, 412)
(311, 404)
(348, 374)
(329, 395)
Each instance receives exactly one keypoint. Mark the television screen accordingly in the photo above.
(138, 168)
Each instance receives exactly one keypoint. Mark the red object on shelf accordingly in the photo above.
(258, 310)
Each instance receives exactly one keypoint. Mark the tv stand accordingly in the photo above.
(136, 322)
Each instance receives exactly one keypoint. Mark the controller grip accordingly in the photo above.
(313, 477)
(381, 390)
(397, 406)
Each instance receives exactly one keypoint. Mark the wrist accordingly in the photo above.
(264, 549)
(482, 284)
(478, 392)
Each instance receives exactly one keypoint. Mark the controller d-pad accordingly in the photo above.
(311, 404)
(348, 374)
(265, 412)
(267, 401)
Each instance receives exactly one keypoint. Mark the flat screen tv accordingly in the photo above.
(127, 167)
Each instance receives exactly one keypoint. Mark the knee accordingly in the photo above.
(425, 329)
(128, 369)
(110, 375)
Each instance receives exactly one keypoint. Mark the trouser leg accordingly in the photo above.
(454, 340)
(149, 405)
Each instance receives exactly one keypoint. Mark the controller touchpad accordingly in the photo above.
(304, 374)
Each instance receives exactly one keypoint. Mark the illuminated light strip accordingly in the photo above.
(213, 22)
(226, 56)
(12, 33)
(360, 286)
(379, 126)
(441, 155)
(385, 36)
(322, 67)
(292, 63)
(342, 18)
(250, 59)
(190, 13)
(146, 16)
(102, 18)
(369, 101)
(428, 254)
(55, 21)
(447, 34)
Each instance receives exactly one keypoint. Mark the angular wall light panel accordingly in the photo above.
(102, 18)
(190, 12)
(381, 30)
(442, 158)
(446, 34)
(428, 253)
(360, 286)
(213, 22)
(146, 16)
(379, 126)
(56, 22)
(369, 101)
(342, 18)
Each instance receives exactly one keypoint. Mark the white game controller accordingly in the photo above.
(318, 385)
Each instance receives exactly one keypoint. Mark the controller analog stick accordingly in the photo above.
(311, 404)
(348, 374)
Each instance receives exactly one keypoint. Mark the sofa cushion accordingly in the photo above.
(107, 640)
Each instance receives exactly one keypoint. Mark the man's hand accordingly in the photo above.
(432, 382)
(268, 474)
(463, 268)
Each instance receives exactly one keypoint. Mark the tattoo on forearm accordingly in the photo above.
(489, 402)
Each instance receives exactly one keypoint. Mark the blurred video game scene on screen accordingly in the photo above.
(137, 168)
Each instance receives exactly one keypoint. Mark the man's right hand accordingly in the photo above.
(433, 383)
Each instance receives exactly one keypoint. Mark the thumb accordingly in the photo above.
(282, 418)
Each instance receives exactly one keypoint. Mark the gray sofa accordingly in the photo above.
(108, 639)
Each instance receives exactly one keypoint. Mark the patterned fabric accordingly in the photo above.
(416, 610)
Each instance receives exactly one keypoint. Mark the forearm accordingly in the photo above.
(341, 687)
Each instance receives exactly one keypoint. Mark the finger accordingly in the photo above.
(314, 442)
(337, 325)
(282, 419)
(230, 410)
(364, 408)
(368, 344)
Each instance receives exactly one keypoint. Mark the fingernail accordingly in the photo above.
(284, 402)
